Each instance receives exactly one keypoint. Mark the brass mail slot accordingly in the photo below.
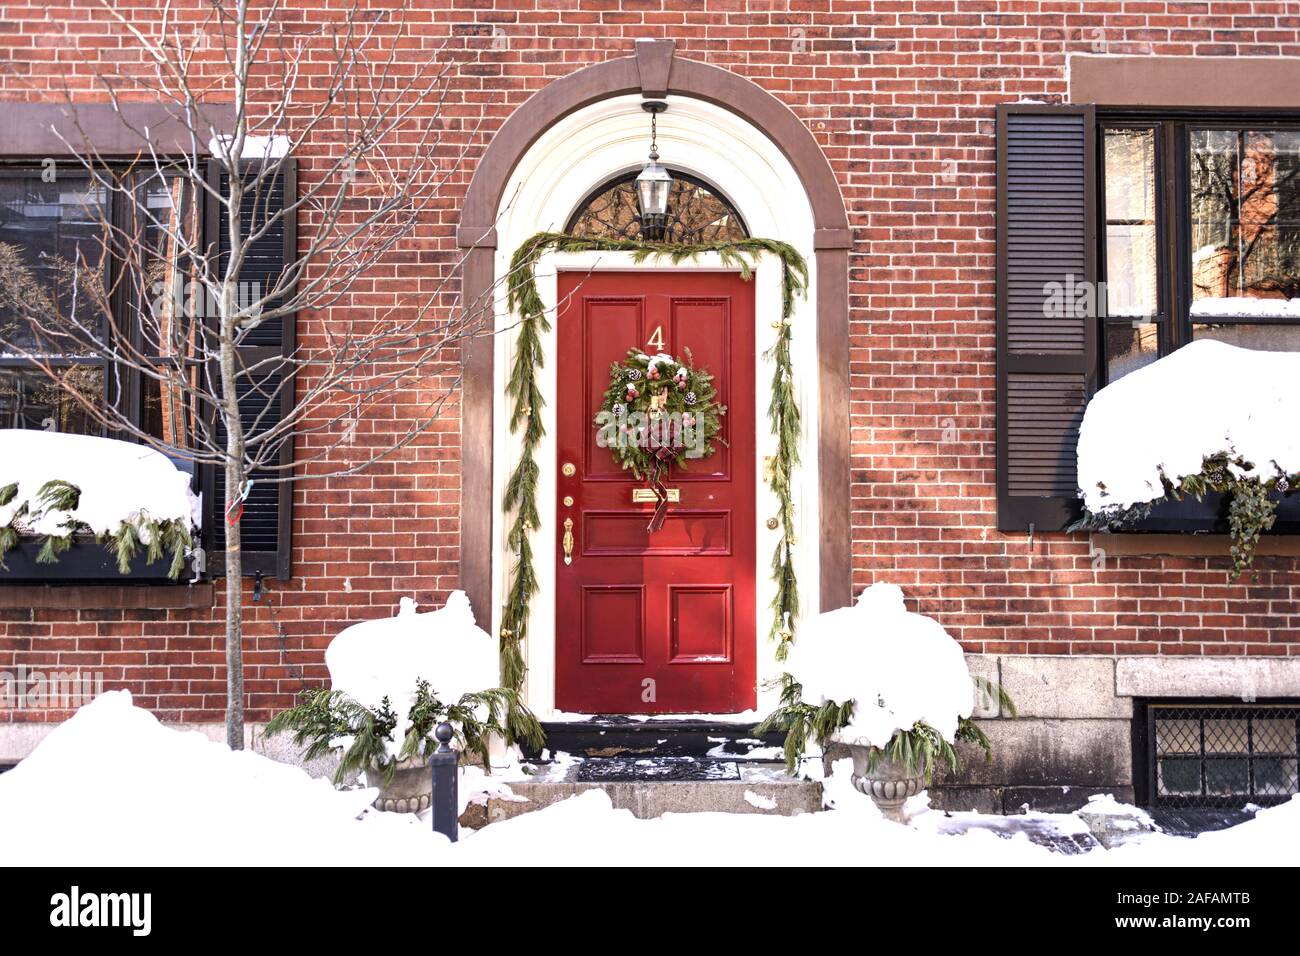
(648, 494)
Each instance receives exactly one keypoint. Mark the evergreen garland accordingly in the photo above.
(1251, 507)
(520, 501)
(155, 536)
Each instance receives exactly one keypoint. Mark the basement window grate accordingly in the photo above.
(1209, 756)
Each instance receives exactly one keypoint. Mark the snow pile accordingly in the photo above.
(169, 797)
(1228, 399)
(1261, 841)
(1105, 804)
(121, 482)
(384, 658)
(112, 786)
(1245, 307)
(899, 667)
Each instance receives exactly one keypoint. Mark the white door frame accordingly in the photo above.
(561, 169)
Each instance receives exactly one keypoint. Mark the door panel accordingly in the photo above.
(663, 622)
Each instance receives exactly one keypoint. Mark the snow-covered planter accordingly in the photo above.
(1232, 433)
(393, 681)
(890, 685)
(63, 490)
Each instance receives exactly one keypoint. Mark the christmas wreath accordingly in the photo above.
(658, 408)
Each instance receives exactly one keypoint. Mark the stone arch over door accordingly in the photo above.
(655, 72)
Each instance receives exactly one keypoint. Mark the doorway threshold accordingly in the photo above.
(624, 736)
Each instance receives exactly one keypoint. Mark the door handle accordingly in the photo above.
(568, 541)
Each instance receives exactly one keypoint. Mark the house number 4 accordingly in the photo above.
(656, 340)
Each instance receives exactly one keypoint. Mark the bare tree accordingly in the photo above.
(360, 102)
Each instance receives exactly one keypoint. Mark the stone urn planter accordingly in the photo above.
(887, 784)
(410, 790)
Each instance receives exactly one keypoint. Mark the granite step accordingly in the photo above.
(650, 786)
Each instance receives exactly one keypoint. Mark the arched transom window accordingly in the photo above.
(697, 213)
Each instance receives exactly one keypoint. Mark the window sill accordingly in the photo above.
(1138, 544)
(75, 596)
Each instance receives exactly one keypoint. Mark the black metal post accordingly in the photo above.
(444, 762)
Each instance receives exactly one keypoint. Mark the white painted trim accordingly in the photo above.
(574, 156)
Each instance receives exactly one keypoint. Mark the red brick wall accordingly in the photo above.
(901, 97)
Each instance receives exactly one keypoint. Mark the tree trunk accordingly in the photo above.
(236, 474)
(234, 614)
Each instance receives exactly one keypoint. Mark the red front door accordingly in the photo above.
(664, 622)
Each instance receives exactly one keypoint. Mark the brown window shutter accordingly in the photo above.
(1046, 234)
(266, 524)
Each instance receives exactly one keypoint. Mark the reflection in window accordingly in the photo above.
(1130, 223)
(1129, 346)
(167, 302)
(55, 252)
(697, 213)
(29, 399)
(1245, 222)
(1272, 337)
(52, 251)
(1131, 326)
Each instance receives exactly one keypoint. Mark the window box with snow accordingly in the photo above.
(1157, 233)
(77, 507)
(1234, 438)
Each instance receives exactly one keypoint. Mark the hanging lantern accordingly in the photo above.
(654, 182)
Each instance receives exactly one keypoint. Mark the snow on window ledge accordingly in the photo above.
(1165, 418)
(1243, 307)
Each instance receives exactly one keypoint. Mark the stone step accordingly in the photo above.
(626, 737)
(653, 786)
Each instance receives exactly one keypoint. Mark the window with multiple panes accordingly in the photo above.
(102, 264)
(1201, 236)
(113, 261)
(54, 230)
(1158, 230)
(1204, 755)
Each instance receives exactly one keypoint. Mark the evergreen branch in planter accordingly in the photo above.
(918, 750)
(802, 722)
(324, 721)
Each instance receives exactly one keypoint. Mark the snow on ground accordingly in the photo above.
(114, 786)
(900, 667)
(118, 480)
(1230, 399)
